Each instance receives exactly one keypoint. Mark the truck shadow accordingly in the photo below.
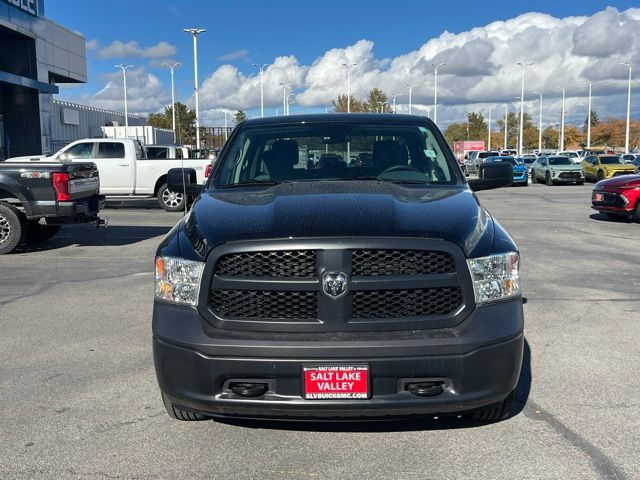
(601, 217)
(89, 236)
(396, 425)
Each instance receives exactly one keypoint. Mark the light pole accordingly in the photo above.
(262, 67)
(394, 100)
(588, 82)
(626, 138)
(195, 32)
(172, 68)
(506, 121)
(435, 90)
(381, 106)
(411, 87)
(126, 110)
(348, 66)
(289, 102)
(523, 66)
(489, 131)
(284, 96)
(562, 120)
(539, 123)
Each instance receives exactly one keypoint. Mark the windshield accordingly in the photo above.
(403, 153)
(560, 161)
(529, 159)
(570, 154)
(611, 160)
(511, 160)
(488, 154)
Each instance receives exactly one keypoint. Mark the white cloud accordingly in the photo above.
(119, 49)
(235, 55)
(481, 68)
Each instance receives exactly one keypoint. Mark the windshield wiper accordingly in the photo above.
(252, 183)
(382, 179)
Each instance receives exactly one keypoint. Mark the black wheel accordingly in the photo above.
(496, 412)
(548, 179)
(533, 176)
(169, 200)
(180, 414)
(580, 182)
(600, 175)
(636, 213)
(12, 228)
(37, 232)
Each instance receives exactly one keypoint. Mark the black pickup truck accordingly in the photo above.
(338, 288)
(36, 199)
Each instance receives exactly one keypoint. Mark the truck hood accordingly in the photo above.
(337, 209)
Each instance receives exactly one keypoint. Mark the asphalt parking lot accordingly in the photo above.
(80, 400)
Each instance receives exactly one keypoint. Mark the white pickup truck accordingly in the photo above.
(125, 171)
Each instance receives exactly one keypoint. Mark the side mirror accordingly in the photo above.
(63, 157)
(492, 175)
(184, 180)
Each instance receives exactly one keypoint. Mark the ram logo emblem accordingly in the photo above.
(334, 284)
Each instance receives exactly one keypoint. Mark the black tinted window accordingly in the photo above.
(157, 152)
(111, 150)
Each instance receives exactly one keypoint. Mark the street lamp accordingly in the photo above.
(539, 123)
(195, 32)
(523, 66)
(348, 66)
(284, 96)
(172, 68)
(562, 119)
(262, 67)
(411, 87)
(394, 100)
(506, 121)
(489, 130)
(626, 138)
(588, 82)
(381, 106)
(435, 90)
(126, 111)
(289, 102)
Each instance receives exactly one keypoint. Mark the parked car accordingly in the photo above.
(573, 155)
(618, 198)
(508, 153)
(599, 167)
(628, 157)
(636, 162)
(125, 170)
(556, 169)
(167, 151)
(36, 199)
(527, 159)
(338, 291)
(477, 157)
(520, 176)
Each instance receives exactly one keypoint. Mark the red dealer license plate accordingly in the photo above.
(336, 382)
(598, 197)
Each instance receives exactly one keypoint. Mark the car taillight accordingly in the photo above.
(207, 170)
(61, 186)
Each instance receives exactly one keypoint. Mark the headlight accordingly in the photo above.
(495, 277)
(178, 280)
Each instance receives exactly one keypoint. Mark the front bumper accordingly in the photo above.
(567, 177)
(613, 202)
(479, 360)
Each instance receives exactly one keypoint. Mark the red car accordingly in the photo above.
(618, 197)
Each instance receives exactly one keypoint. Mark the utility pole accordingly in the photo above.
(540, 123)
(562, 121)
(348, 66)
(394, 101)
(506, 118)
(435, 90)
(195, 32)
(262, 67)
(172, 68)
(523, 66)
(489, 130)
(626, 138)
(126, 110)
(411, 87)
(588, 82)
(284, 96)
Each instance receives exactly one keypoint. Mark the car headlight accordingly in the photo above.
(178, 280)
(495, 277)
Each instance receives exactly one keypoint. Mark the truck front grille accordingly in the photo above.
(279, 288)
(406, 303)
(401, 262)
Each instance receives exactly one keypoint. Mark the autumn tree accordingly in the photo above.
(340, 104)
(185, 122)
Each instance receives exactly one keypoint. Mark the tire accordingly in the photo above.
(39, 233)
(600, 176)
(636, 213)
(533, 176)
(180, 414)
(548, 180)
(170, 201)
(496, 412)
(580, 182)
(12, 228)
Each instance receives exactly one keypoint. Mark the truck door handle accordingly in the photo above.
(123, 164)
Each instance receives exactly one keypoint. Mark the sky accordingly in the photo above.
(393, 45)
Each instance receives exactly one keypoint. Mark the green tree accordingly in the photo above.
(185, 122)
(239, 116)
(456, 132)
(340, 104)
(595, 120)
(477, 126)
(513, 127)
(376, 99)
